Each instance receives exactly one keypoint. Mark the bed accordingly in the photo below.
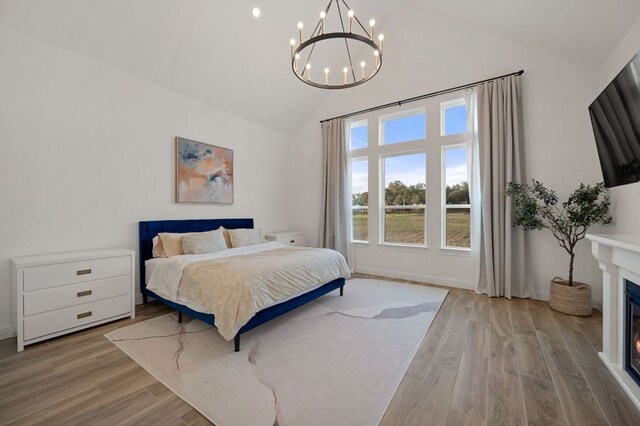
(149, 229)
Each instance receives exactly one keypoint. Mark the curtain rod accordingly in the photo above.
(425, 96)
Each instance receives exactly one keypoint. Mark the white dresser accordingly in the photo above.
(290, 238)
(60, 293)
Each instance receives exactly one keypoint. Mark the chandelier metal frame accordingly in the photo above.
(318, 35)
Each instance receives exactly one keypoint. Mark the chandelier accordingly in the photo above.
(355, 36)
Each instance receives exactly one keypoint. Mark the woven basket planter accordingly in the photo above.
(571, 300)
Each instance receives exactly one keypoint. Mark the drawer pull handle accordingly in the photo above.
(84, 315)
(292, 241)
(85, 293)
(83, 272)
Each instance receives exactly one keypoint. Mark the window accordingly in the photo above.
(359, 137)
(404, 198)
(456, 206)
(411, 187)
(453, 117)
(360, 199)
(404, 128)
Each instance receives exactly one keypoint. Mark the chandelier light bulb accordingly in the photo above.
(323, 14)
(372, 24)
(255, 12)
(381, 40)
(300, 27)
(326, 70)
(362, 65)
(326, 76)
(345, 70)
(377, 55)
(309, 72)
(351, 14)
(292, 41)
(293, 45)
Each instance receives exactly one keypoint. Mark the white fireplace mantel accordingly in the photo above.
(619, 259)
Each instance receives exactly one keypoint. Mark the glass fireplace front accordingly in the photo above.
(632, 330)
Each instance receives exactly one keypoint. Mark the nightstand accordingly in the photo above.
(290, 238)
(56, 294)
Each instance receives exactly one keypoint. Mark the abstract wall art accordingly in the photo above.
(204, 173)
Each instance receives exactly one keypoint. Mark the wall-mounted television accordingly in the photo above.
(615, 116)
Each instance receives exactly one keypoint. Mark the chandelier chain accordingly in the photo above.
(313, 34)
(355, 16)
(346, 43)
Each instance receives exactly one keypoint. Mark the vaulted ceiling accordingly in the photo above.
(216, 52)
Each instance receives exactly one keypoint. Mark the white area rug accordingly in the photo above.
(335, 361)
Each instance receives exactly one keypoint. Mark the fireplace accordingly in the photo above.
(632, 330)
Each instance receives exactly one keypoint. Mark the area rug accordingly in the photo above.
(335, 361)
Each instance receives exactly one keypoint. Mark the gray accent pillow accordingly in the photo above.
(203, 242)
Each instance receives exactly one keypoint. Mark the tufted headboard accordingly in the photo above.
(148, 230)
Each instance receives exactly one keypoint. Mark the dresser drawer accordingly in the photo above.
(47, 276)
(64, 319)
(50, 299)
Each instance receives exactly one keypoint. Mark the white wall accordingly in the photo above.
(626, 198)
(87, 151)
(425, 53)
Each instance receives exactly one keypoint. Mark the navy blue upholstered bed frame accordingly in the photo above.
(148, 230)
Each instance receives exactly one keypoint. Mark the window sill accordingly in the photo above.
(402, 247)
(456, 251)
(360, 243)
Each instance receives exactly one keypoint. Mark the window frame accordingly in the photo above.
(443, 202)
(352, 159)
(444, 105)
(431, 146)
(358, 123)
(382, 119)
(382, 199)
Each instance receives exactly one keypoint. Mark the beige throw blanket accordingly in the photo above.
(234, 289)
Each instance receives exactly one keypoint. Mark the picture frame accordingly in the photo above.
(204, 173)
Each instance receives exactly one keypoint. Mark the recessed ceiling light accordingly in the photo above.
(256, 12)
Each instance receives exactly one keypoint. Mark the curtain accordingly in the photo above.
(335, 224)
(501, 253)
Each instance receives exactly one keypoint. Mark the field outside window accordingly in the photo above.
(404, 199)
(457, 208)
(360, 198)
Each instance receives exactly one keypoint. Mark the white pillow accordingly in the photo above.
(244, 237)
(203, 242)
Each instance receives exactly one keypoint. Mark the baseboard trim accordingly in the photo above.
(6, 331)
(428, 279)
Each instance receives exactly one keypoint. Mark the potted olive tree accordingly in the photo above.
(536, 207)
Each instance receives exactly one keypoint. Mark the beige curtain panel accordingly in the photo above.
(504, 251)
(335, 225)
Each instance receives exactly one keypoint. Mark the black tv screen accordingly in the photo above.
(615, 116)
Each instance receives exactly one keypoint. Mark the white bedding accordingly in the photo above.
(237, 283)
(163, 274)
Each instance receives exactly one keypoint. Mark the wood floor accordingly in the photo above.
(483, 362)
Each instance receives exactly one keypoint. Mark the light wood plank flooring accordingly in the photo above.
(483, 362)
